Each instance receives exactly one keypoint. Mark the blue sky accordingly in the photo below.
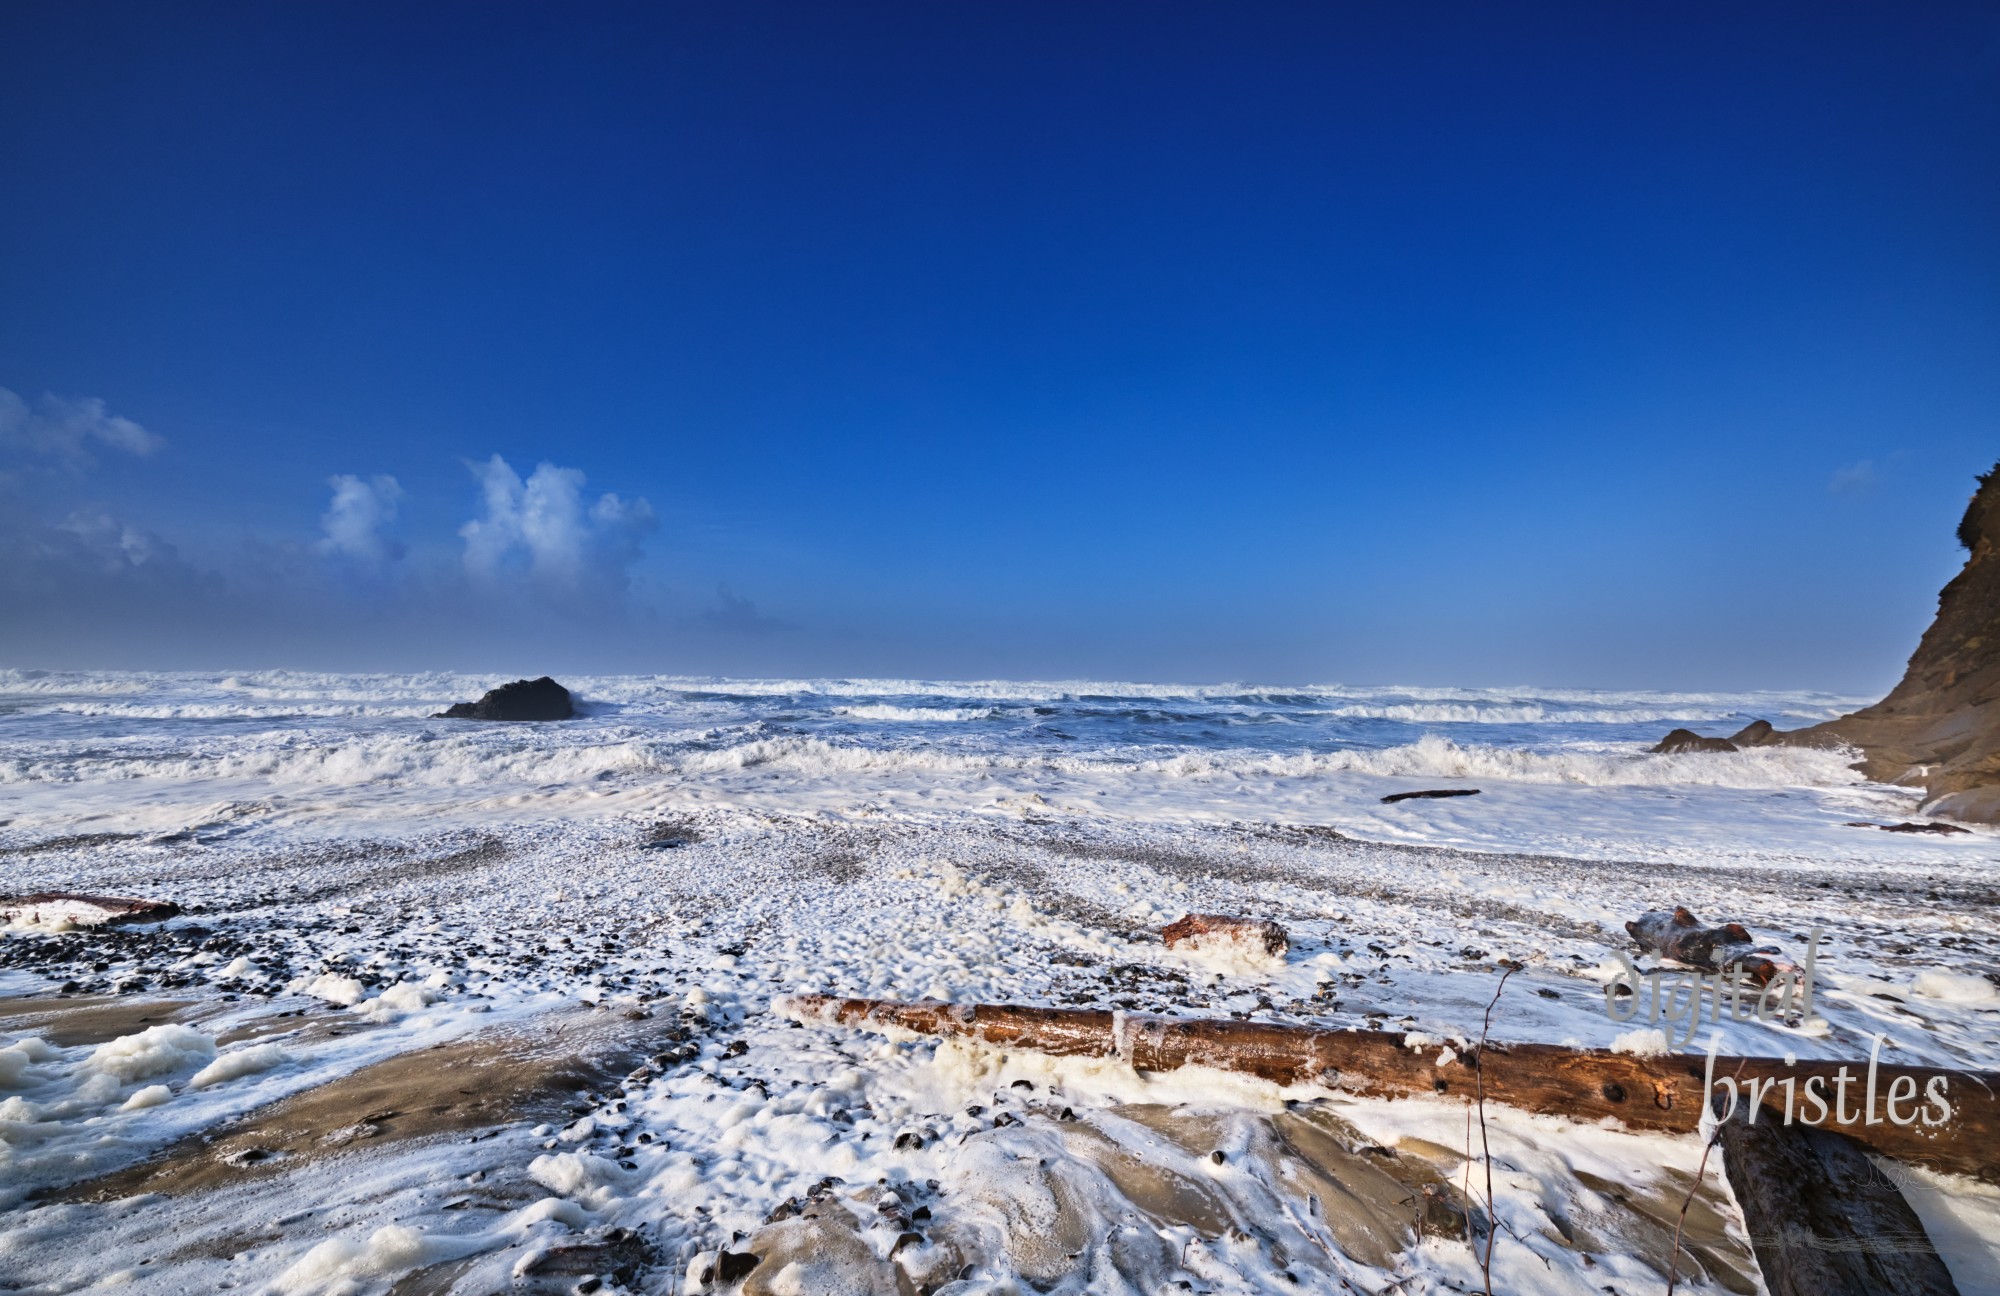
(1568, 344)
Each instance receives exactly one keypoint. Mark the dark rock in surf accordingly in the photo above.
(536, 699)
(617, 1255)
(1755, 734)
(1394, 797)
(1687, 740)
(733, 1265)
(671, 834)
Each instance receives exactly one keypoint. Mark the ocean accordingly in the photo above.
(1559, 770)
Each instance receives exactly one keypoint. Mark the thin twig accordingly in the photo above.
(1701, 1171)
(1465, 1178)
(1674, 1260)
(1485, 1151)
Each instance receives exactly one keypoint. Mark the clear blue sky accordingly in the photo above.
(1571, 344)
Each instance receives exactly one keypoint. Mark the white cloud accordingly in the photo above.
(357, 522)
(1853, 479)
(66, 430)
(542, 526)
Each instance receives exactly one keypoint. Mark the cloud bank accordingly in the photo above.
(62, 431)
(88, 563)
(540, 568)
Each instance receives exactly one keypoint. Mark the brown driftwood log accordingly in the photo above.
(1681, 937)
(1210, 930)
(1644, 1093)
(1823, 1220)
(1940, 829)
(51, 908)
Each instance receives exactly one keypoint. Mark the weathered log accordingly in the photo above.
(1823, 1219)
(1681, 937)
(1212, 931)
(1644, 1093)
(62, 908)
(1394, 797)
(1941, 829)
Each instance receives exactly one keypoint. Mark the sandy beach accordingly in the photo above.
(517, 1034)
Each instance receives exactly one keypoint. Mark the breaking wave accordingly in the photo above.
(1431, 756)
(894, 714)
(428, 691)
(485, 759)
(1530, 713)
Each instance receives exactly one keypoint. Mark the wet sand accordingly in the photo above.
(70, 1021)
(478, 1085)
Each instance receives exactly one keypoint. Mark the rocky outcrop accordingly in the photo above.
(1755, 734)
(1940, 728)
(536, 699)
(1687, 740)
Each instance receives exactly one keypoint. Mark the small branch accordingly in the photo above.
(1465, 1177)
(1701, 1172)
(1485, 1152)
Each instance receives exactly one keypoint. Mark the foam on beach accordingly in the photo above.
(495, 1002)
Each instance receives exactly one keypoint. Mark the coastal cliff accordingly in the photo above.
(1940, 727)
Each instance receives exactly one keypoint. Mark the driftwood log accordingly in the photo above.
(1428, 793)
(1209, 931)
(54, 908)
(1940, 829)
(1644, 1093)
(1823, 1219)
(1681, 937)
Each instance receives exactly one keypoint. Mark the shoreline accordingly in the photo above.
(485, 924)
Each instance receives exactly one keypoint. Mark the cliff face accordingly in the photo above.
(1940, 728)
